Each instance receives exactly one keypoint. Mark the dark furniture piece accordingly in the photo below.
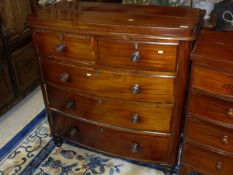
(113, 76)
(219, 9)
(6, 90)
(216, 21)
(18, 74)
(208, 144)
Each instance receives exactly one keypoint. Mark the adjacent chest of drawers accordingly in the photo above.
(208, 146)
(114, 76)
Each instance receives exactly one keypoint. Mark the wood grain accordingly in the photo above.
(207, 161)
(6, 92)
(17, 59)
(207, 147)
(108, 83)
(77, 47)
(152, 117)
(150, 147)
(153, 56)
(187, 169)
(209, 134)
(102, 85)
(86, 19)
(24, 66)
(211, 107)
(14, 15)
(213, 81)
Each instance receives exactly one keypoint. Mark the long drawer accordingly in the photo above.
(137, 55)
(134, 115)
(209, 134)
(215, 82)
(135, 146)
(108, 83)
(68, 46)
(208, 107)
(207, 161)
(188, 170)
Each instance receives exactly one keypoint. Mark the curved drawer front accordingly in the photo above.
(207, 161)
(137, 55)
(210, 134)
(107, 83)
(217, 109)
(213, 81)
(120, 143)
(78, 47)
(141, 116)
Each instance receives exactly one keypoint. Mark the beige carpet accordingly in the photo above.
(20, 115)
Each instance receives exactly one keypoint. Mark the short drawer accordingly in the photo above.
(68, 46)
(209, 134)
(216, 82)
(206, 106)
(124, 144)
(137, 55)
(207, 161)
(107, 83)
(133, 115)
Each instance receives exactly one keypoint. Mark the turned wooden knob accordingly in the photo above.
(219, 165)
(135, 118)
(70, 104)
(225, 140)
(73, 131)
(230, 113)
(64, 77)
(60, 48)
(135, 57)
(135, 89)
(134, 147)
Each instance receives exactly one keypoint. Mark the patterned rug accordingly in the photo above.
(32, 151)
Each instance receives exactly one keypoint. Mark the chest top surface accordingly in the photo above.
(215, 46)
(117, 19)
(214, 50)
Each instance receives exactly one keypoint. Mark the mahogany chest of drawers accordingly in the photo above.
(114, 76)
(208, 146)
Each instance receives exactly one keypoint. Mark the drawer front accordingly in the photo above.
(153, 148)
(213, 81)
(76, 47)
(207, 161)
(209, 134)
(141, 116)
(107, 83)
(187, 170)
(137, 55)
(213, 108)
